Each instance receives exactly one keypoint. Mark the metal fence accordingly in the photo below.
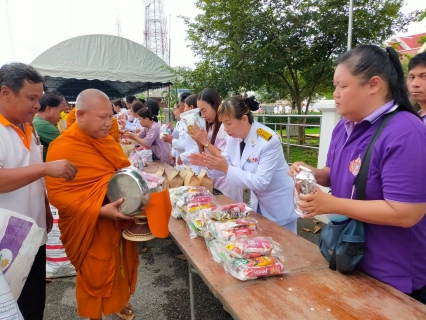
(287, 125)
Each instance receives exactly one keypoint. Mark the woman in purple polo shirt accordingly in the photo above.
(369, 82)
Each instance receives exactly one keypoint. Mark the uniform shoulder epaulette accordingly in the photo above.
(264, 134)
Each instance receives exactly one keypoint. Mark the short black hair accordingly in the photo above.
(50, 100)
(153, 106)
(130, 99)
(12, 75)
(183, 96)
(417, 60)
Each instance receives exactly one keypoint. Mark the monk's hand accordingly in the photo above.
(111, 211)
(61, 169)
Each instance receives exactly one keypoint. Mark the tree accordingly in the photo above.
(248, 44)
(285, 44)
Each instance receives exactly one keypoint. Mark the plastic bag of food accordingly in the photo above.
(253, 268)
(228, 231)
(196, 223)
(215, 248)
(176, 195)
(230, 211)
(191, 117)
(304, 183)
(252, 247)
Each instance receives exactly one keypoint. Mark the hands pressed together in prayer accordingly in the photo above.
(212, 162)
(198, 134)
(315, 203)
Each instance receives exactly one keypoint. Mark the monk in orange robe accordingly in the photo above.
(91, 227)
(114, 132)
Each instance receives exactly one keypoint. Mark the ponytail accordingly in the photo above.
(367, 61)
(397, 85)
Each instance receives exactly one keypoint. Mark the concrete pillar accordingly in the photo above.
(328, 121)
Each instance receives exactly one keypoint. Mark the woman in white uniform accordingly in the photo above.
(254, 159)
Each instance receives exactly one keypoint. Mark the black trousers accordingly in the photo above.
(32, 300)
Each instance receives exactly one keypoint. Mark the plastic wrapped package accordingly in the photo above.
(176, 195)
(191, 117)
(253, 268)
(228, 231)
(304, 183)
(215, 248)
(252, 247)
(230, 211)
(152, 180)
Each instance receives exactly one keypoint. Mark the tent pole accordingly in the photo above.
(350, 25)
(170, 104)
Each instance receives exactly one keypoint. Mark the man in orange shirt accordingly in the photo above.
(22, 171)
(90, 225)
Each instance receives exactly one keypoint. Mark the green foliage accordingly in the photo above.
(422, 16)
(422, 40)
(140, 96)
(283, 48)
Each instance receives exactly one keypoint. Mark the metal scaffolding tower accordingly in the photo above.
(156, 35)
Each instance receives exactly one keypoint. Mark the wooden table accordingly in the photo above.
(310, 291)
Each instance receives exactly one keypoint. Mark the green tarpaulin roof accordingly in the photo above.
(115, 65)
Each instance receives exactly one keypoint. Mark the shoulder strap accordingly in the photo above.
(361, 179)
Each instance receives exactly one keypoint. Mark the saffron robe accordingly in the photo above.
(105, 262)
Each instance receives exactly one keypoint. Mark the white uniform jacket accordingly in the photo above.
(263, 169)
(178, 143)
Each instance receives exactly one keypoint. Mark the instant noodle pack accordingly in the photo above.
(232, 236)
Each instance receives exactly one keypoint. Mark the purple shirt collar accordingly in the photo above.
(373, 117)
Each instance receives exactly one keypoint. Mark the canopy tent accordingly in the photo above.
(114, 65)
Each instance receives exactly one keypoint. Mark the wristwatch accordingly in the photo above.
(206, 145)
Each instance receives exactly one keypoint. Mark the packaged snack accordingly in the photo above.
(231, 230)
(248, 269)
(251, 247)
(304, 183)
(215, 248)
(176, 195)
(164, 129)
(191, 117)
(230, 211)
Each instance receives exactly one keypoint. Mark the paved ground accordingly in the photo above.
(162, 289)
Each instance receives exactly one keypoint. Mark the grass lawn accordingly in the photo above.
(308, 156)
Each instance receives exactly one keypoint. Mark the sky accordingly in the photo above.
(29, 27)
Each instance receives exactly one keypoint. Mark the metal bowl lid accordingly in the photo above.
(128, 183)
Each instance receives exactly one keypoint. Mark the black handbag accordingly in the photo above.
(343, 243)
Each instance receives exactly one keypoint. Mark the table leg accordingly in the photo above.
(191, 292)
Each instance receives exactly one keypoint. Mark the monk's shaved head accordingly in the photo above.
(94, 113)
(87, 99)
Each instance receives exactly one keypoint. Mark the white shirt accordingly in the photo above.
(30, 199)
